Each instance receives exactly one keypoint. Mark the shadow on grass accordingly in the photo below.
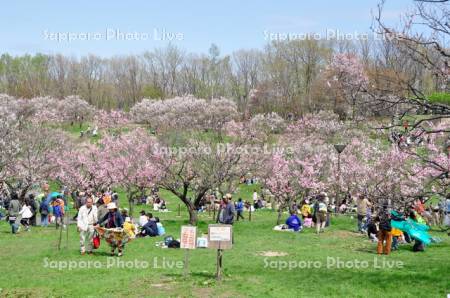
(201, 275)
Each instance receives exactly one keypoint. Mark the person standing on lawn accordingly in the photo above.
(320, 213)
(228, 211)
(361, 209)
(305, 209)
(239, 209)
(86, 219)
(58, 210)
(25, 215)
(33, 203)
(13, 212)
(44, 206)
(384, 231)
(113, 220)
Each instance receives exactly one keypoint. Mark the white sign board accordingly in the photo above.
(220, 233)
(188, 237)
(220, 236)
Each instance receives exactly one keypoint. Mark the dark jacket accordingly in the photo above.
(14, 208)
(150, 228)
(385, 219)
(117, 220)
(228, 214)
(372, 229)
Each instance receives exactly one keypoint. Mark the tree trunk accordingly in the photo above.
(280, 214)
(192, 216)
(130, 205)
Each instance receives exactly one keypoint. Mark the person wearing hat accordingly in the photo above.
(113, 219)
(228, 211)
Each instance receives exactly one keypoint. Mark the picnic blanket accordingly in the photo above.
(282, 228)
(116, 237)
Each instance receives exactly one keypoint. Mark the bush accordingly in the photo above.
(440, 97)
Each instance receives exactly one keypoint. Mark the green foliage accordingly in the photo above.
(154, 92)
(440, 97)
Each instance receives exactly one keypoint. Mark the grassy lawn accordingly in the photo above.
(248, 272)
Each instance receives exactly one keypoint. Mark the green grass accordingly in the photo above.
(440, 97)
(246, 272)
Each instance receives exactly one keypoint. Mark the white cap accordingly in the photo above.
(111, 206)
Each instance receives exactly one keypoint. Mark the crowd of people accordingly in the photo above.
(93, 210)
(101, 210)
(315, 213)
(372, 219)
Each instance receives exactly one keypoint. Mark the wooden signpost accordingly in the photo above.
(220, 237)
(188, 242)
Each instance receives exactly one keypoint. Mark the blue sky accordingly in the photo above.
(34, 26)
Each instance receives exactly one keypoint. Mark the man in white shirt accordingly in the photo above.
(143, 219)
(255, 196)
(87, 217)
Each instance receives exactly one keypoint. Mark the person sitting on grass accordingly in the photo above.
(143, 219)
(293, 222)
(160, 227)
(163, 206)
(129, 227)
(150, 228)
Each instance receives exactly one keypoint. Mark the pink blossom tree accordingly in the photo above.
(192, 168)
(185, 112)
(83, 167)
(348, 78)
(131, 162)
(268, 123)
(111, 120)
(34, 159)
(74, 109)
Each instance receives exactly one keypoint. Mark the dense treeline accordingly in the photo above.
(292, 75)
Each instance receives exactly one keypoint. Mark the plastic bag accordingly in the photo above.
(96, 240)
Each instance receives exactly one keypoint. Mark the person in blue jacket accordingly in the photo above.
(113, 219)
(293, 222)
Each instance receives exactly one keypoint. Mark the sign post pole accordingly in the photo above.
(188, 242)
(220, 237)
(186, 263)
(219, 264)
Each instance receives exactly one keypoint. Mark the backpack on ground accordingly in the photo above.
(167, 240)
(174, 244)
